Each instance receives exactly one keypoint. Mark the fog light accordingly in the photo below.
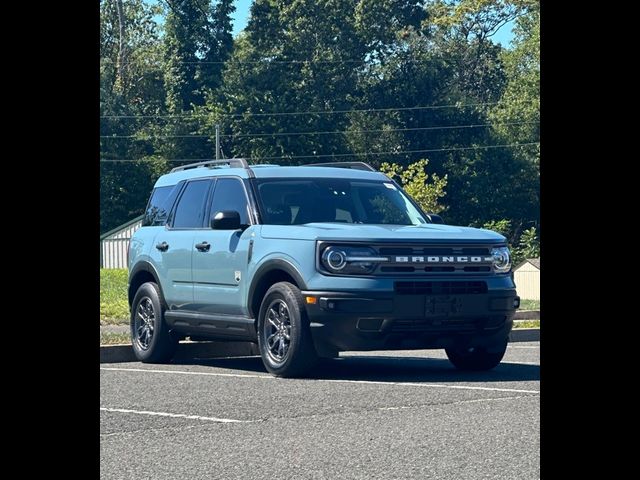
(370, 324)
(311, 300)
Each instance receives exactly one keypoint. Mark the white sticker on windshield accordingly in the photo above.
(390, 185)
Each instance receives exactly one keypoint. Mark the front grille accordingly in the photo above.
(440, 288)
(418, 260)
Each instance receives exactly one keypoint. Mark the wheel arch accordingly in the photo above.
(142, 272)
(269, 273)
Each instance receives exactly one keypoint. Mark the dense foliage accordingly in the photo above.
(389, 82)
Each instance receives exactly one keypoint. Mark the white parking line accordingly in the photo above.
(371, 382)
(524, 346)
(174, 415)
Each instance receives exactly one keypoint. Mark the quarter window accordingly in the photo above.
(156, 203)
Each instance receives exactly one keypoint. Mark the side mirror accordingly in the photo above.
(436, 218)
(226, 220)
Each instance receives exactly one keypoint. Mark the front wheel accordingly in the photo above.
(284, 336)
(476, 358)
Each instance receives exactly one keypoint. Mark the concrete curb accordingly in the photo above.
(527, 315)
(186, 350)
(524, 335)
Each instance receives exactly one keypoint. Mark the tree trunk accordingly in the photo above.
(121, 63)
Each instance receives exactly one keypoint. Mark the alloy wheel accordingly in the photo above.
(144, 324)
(277, 330)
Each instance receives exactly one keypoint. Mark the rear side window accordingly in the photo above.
(156, 204)
(229, 194)
(190, 210)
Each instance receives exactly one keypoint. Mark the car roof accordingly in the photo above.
(269, 171)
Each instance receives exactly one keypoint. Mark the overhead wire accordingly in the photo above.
(307, 112)
(331, 155)
(334, 132)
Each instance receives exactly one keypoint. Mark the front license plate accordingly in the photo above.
(442, 306)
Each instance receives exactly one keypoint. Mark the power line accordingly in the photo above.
(339, 155)
(308, 112)
(261, 62)
(280, 134)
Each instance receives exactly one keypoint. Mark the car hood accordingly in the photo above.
(360, 232)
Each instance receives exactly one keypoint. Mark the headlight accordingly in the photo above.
(333, 259)
(350, 260)
(501, 259)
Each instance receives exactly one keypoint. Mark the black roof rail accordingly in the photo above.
(232, 162)
(353, 165)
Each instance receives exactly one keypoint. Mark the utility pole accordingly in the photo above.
(121, 66)
(217, 141)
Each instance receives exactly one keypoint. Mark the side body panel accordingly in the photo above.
(174, 266)
(220, 274)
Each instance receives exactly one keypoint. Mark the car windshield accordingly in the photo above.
(298, 201)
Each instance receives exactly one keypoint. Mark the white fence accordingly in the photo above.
(114, 244)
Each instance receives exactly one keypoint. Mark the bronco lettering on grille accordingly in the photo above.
(443, 259)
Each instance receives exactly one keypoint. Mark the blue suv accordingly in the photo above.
(309, 261)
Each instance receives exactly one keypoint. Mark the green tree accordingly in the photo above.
(130, 84)
(503, 227)
(197, 42)
(415, 181)
(520, 101)
(462, 30)
(302, 55)
(528, 246)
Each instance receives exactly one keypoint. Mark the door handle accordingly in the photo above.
(203, 247)
(163, 247)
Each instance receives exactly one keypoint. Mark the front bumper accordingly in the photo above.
(342, 321)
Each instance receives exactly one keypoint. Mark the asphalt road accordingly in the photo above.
(386, 415)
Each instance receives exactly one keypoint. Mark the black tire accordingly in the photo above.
(299, 356)
(476, 359)
(161, 345)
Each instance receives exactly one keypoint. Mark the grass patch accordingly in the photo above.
(526, 324)
(529, 304)
(112, 338)
(114, 306)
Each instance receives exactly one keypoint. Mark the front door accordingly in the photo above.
(220, 257)
(175, 245)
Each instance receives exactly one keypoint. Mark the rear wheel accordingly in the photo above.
(284, 336)
(476, 358)
(152, 342)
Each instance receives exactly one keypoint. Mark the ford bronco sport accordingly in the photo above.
(309, 261)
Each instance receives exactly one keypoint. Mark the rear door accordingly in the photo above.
(175, 245)
(219, 272)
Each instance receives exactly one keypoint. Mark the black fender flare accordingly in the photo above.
(269, 266)
(143, 266)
